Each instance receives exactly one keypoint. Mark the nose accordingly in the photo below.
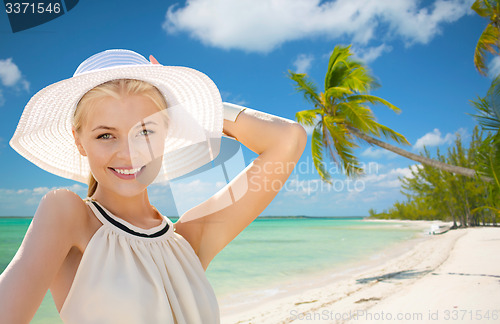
(125, 151)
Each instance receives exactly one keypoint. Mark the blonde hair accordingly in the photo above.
(116, 89)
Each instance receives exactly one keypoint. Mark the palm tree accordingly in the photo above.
(489, 39)
(341, 116)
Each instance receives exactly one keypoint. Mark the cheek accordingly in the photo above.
(147, 149)
(97, 155)
(158, 147)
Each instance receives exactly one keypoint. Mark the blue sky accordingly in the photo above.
(420, 51)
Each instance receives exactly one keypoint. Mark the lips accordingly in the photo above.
(127, 173)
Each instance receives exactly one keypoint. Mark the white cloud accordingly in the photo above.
(235, 99)
(25, 84)
(303, 63)
(390, 179)
(379, 189)
(263, 25)
(494, 67)
(10, 75)
(435, 138)
(370, 54)
(232, 98)
(377, 153)
(406, 172)
(41, 190)
(372, 180)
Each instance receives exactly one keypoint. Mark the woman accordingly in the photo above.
(112, 257)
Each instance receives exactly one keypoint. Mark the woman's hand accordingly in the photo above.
(153, 60)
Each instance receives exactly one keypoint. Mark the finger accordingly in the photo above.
(153, 60)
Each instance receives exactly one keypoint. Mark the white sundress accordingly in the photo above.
(139, 276)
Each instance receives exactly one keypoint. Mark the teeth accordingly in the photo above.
(127, 171)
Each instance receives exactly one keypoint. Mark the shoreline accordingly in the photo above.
(237, 306)
(353, 289)
(341, 247)
(235, 301)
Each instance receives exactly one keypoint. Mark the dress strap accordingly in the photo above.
(105, 217)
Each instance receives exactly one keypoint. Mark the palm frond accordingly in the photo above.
(337, 92)
(488, 158)
(389, 133)
(358, 116)
(346, 71)
(484, 117)
(307, 117)
(493, 96)
(343, 143)
(487, 43)
(330, 145)
(307, 87)
(337, 66)
(359, 78)
(362, 98)
(482, 8)
(317, 153)
(494, 162)
(489, 107)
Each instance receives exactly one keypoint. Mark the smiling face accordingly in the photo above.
(123, 139)
(119, 89)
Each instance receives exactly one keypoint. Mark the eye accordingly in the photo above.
(104, 136)
(146, 132)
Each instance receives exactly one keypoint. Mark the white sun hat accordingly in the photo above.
(195, 113)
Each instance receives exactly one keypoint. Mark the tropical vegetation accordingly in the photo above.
(436, 195)
(467, 202)
(488, 116)
(341, 117)
(432, 194)
(489, 40)
(462, 185)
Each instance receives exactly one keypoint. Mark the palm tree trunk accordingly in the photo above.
(415, 157)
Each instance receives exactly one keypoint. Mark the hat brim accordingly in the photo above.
(44, 133)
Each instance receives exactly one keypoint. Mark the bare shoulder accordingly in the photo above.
(63, 211)
(57, 226)
(63, 198)
(63, 203)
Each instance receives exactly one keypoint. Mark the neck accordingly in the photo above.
(136, 210)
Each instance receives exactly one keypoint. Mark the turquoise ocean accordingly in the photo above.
(269, 251)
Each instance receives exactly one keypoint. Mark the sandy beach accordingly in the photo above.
(452, 277)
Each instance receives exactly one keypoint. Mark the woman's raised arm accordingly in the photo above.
(210, 226)
(50, 236)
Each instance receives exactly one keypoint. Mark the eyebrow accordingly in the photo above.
(147, 123)
(113, 128)
(104, 127)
